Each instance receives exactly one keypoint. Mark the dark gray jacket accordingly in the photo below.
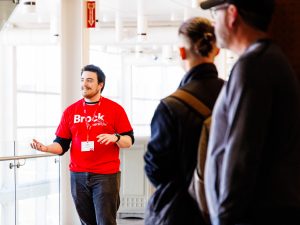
(253, 165)
(172, 151)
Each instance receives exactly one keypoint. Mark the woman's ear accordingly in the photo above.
(182, 53)
(217, 51)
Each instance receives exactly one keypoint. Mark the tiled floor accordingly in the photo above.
(131, 221)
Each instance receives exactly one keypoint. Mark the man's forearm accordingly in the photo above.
(125, 141)
(54, 148)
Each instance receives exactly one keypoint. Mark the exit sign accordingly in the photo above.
(91, 14)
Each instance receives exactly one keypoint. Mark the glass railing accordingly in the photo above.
(29, 188)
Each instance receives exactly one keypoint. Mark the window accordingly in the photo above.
(137, 84)
(149, 85)
(111, 66)
(32, 89)
(38, 94)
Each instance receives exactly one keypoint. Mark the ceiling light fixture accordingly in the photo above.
(142, 23)
(29, 6)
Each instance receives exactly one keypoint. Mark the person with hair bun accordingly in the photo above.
(171, 154)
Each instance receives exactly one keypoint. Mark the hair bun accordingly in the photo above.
(208, 36)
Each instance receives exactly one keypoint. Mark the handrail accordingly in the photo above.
(8, 158)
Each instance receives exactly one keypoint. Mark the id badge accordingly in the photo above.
(87, 146)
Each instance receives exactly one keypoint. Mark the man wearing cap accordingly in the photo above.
(252, 173)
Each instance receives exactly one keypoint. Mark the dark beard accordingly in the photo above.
(89, 95)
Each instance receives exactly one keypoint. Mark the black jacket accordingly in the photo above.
(253, 161)
(172, 150)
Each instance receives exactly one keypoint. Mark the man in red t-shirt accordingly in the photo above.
(96, 128)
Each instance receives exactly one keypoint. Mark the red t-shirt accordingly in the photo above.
(108, 118)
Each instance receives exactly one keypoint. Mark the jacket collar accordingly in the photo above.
(201, 71)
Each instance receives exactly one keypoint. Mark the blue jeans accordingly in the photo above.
(96, 197)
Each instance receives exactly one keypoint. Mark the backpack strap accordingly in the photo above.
(192, 101)
(204, 111)
(196, 187)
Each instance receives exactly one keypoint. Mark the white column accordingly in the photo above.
(7, 96)
(7, 127)
(74, 54)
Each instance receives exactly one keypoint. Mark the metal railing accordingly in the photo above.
(22, 186)
(18, 164)
(26, 157)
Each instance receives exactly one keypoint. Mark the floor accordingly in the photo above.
(130, 221)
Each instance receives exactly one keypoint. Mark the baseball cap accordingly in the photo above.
(259, 7)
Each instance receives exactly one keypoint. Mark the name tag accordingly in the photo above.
(87, 146)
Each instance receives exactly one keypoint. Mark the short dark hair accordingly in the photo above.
(200, 33)
(98, 71)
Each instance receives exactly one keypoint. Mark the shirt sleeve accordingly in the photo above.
(64, 143)
(130, 134)
(158, 157)
(63, 130)
(122, 123)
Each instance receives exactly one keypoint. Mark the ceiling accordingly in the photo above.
(157, 12)
(28, 24)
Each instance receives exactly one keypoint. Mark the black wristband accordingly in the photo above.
(118, 136)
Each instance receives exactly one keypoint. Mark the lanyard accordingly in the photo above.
(87, 123)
